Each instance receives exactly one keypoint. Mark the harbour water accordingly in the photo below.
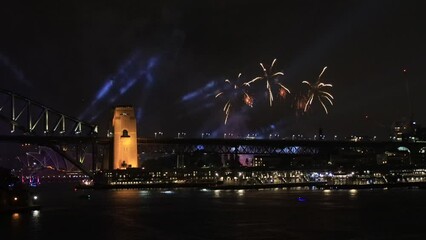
(66, 213)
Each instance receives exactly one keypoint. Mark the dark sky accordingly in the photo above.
(169, 58)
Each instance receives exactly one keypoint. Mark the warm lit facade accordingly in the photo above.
(125, 138)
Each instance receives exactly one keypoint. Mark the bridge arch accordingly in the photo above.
(31, 121)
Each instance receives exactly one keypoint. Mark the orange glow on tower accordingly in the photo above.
(125, 138)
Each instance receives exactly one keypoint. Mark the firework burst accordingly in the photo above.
(235, 92)
(269, 76)
(316, 91)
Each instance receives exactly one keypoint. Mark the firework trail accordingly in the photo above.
(269, 76)
(234, 93)
(316, 91)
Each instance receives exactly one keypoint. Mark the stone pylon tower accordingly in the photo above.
(125, 138)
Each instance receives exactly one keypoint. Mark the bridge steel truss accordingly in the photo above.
(227, 146)
(35, 123)
(270, 147)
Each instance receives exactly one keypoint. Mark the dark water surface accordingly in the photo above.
(220, 214)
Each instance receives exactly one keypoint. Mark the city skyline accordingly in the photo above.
(170, 59)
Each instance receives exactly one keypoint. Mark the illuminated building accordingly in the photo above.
(408, 131)
(125, 138)
(258, 162)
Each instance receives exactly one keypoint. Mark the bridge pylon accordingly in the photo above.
(125, 138)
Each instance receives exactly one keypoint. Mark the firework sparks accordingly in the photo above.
(234, 93)
(299, 103)
(316, 91)
(268, 76)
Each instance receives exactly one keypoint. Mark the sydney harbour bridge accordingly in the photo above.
(69, 143)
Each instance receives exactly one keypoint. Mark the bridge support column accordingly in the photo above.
(223, 159)
(107, 154)
(94, 156)
(180, 161)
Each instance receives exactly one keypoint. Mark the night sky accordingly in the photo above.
(169, 59)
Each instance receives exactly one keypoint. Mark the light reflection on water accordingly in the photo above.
(15, 217)
(222, 214)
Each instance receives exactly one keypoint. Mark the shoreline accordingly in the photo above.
(212, 186)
